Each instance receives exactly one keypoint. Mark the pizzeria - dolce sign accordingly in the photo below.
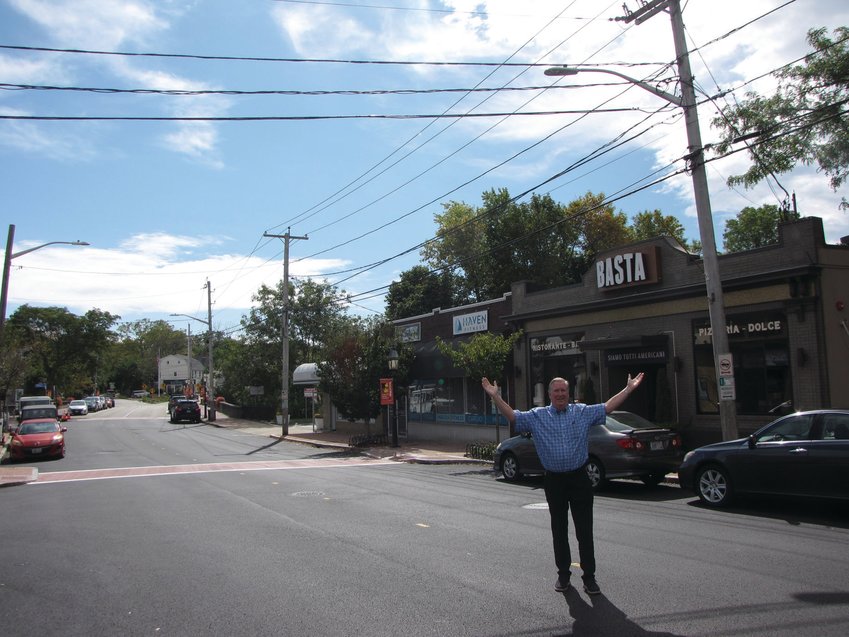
(762, 325)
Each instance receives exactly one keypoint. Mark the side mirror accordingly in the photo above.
(752, 442)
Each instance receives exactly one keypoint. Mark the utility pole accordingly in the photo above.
(284, 328)
(723, 366)
(189, 348)
(210, 385)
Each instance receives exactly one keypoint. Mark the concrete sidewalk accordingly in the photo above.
(431, 452)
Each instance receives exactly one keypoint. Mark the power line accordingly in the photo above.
(233, 58)
(285, 118)
(287, 93)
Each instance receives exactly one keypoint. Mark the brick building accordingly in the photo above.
(643, 308)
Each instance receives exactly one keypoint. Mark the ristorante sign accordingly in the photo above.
(625, 269)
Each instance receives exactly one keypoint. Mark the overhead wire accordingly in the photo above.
(527, 65)
(360, 180)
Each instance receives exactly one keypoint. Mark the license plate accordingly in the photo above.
(656, 445)
(36, 450)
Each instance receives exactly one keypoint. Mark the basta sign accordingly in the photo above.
(625, 269)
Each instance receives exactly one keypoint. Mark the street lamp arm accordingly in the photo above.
(568, 70)
(44, 245)
(204, 321)
(7, 267)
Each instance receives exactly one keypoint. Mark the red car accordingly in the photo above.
(38, 438)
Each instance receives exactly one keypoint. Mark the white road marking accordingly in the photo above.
(144, 472)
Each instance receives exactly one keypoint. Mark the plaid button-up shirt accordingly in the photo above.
(561, 437)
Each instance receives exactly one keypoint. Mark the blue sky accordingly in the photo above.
(169, 204)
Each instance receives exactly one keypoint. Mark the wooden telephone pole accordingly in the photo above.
(284, 327)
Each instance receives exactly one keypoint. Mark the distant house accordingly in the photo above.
(177, 372)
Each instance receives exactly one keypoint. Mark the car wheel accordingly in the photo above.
(510, 467)
(653, 479)
(713, 486)
(595, 470)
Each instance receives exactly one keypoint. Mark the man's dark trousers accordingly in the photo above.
(563, 490)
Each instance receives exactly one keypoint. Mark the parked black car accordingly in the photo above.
(804, 454)
(185, 409)
(625, 446)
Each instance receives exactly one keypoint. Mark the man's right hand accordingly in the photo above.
(489, 388)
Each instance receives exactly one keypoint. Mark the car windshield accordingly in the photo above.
(621, 421)
(78, 403)
(37, 428)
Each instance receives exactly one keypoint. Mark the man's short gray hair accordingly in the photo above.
(554, 380)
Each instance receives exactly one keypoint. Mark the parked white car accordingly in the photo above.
(78, 408)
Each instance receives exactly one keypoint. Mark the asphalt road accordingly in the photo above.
(148, 528)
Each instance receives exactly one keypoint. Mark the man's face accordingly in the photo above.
(559, 394)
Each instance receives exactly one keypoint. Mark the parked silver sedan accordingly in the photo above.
(625, 446)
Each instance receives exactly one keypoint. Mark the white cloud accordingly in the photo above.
(94, 23)
(155, 273)
(111, 25)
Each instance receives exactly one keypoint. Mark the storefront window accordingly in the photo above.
(762, 373)
(553, 356)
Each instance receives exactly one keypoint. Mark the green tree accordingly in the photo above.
(355, 360)
(484, 354)
(140, 346)
(653, 223)
(540, 241)
(61, 349)
(459, 239)
(804, 121)
(419, 291)
(601, 228)
(528, 241)
(752, 228)
(316, 311)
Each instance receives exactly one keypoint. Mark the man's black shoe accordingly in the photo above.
(591, 586)
(561, 586)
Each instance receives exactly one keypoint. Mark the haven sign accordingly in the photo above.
(625, 269)
(470, 323)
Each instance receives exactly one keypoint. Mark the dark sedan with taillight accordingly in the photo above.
(625, 446)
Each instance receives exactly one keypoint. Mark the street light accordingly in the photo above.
(392, 358)
(7, 266)
(210, 386)
(716, 302)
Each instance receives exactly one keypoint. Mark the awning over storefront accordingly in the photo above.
(305, 374)
(654, 340)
